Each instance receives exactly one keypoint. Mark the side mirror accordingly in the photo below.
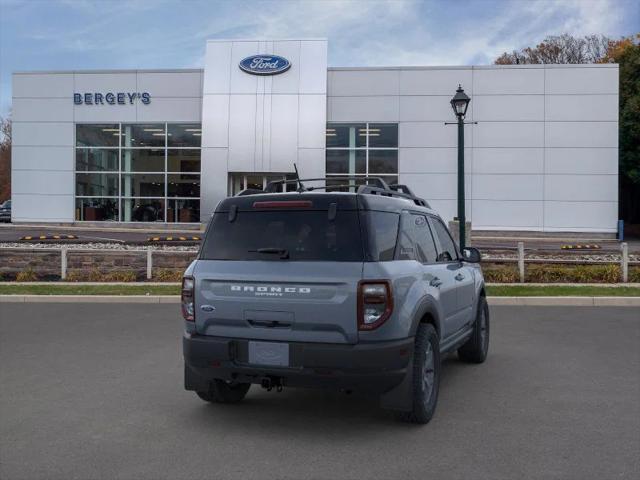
(471, 255)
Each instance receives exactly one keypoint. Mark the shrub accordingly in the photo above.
(500, 273)
(26, 275)
(75, 276)
(120, 276)
(96, 275)
(540, 273)
(634, 274)
(168, 275)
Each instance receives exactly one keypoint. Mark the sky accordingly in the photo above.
(107, 34)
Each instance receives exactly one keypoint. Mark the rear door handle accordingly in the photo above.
(459, 277)
(435, 282)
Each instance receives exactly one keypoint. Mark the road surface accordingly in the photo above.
(95, 391)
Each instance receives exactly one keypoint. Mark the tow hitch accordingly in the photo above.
(269, 383)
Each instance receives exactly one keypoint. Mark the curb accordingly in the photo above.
(165, 299)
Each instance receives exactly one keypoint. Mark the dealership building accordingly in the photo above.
(118, 146)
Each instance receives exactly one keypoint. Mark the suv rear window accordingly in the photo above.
(284, 235)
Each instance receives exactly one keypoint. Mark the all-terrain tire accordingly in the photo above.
(475, 349)
(223, 392)
(426, 375)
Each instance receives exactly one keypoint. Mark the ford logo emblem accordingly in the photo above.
(265, 64)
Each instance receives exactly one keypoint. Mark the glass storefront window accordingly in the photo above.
(143, 209)
(143, 185)
(138, 172)
(183, 211)
(183, 161)
(383, 135)
(346, 136)
(183, 185)
(143, 135)
(383, 161)
(346, 162)
(96, 160)
(96, 209)
(184, 135)
(143, 160)
(362, 149)
(96, 185)
(103, 135)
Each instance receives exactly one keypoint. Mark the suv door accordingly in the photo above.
(417, 243)
(462, 275)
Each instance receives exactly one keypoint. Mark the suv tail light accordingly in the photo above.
(188, 308)
(375, 303)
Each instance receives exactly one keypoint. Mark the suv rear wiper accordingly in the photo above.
(283, 252)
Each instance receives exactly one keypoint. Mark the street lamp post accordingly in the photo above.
(460, 103)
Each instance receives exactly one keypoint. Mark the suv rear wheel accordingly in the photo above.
(223, 392)
(426, 375)
(476, 348)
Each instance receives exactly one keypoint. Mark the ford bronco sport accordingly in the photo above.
(362, 289)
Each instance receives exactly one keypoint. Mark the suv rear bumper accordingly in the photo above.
(372, 367)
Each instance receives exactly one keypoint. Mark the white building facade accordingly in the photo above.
(166, 145)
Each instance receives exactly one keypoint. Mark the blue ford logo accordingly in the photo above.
(265, 64)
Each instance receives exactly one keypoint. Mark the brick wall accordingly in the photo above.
(46, 264)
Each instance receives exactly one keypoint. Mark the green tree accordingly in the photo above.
(626, 53)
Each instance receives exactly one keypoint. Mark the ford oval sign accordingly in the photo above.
(265, 64)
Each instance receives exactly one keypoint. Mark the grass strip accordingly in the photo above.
(54, 289)
(561, 291)
(493, 290)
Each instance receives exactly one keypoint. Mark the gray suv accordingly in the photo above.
(362, 289)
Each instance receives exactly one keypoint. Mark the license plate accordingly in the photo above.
(269, 353)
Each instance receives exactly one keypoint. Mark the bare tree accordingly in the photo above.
(5, 158)
(563, 48)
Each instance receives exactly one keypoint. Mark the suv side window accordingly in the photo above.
(416, 242)
(446, 248)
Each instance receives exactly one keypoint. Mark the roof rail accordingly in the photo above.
(271, 186)
(365, 189)
(379, 187)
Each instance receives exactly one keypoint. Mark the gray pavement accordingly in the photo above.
(94, 391)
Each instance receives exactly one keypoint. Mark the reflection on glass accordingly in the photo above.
(184, 135)
(143, 160)
(346, 161)
(103, 135)
(143, 185)
(143, 135)
(96, 209)
(183, 161)
(96, 159)
(346, 135)
(183, 211)
(143, 210)
(383, 161)
(96, 185)
(383, 135)
(183, 185)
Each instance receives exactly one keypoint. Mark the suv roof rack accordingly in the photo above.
(372, 186)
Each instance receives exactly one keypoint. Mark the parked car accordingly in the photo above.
(361, 290)
(5, 211)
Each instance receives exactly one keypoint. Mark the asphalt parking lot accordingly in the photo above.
(94, 391)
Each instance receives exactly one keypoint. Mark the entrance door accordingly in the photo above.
(257, 181)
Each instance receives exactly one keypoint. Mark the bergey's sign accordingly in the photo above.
(265, 64)
(110, 98)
